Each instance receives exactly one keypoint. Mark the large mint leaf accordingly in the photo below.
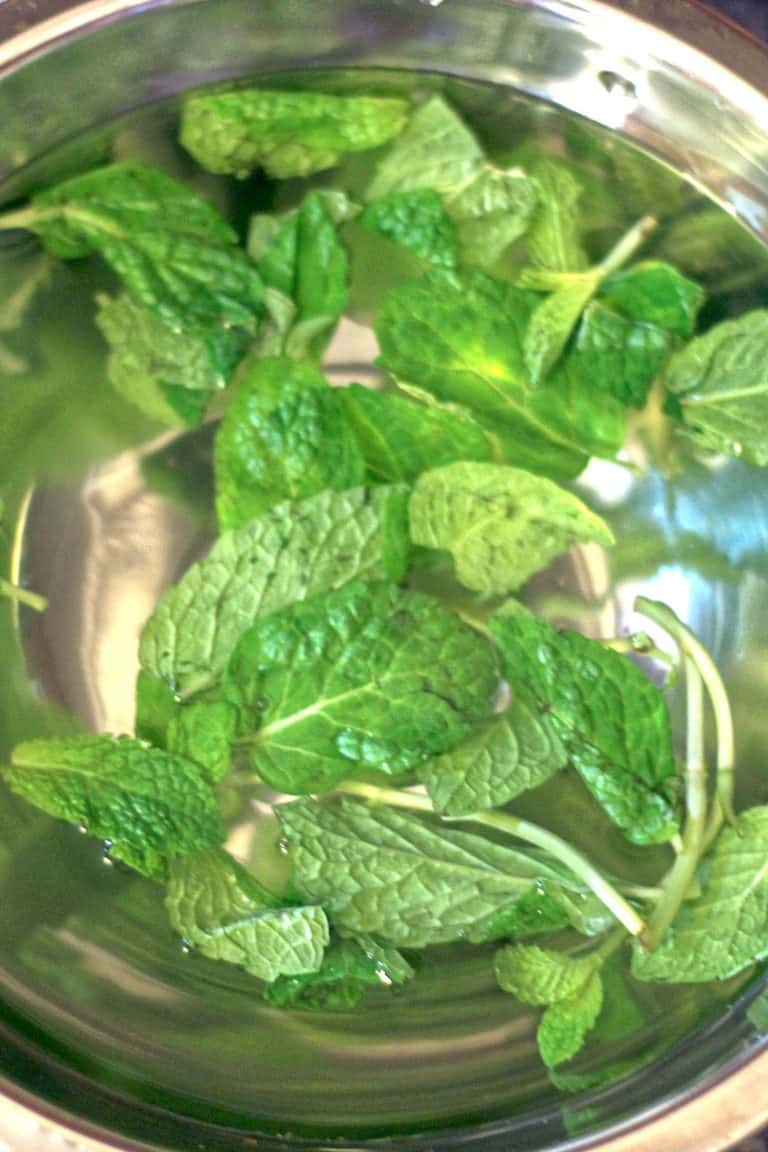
(416, 220)
(220, 910)
(725, 929)
(652, 292)
(401, 438)
(286, 133)
(149, 804)
(288, 554)
(509, 755)
(367, 677)
(460, 337)
(612, 721)
(403, 879)
(720, 382)
(349, 967)
(283, 437)
(172, 250)
(500, 524)
(165, 371)
(616, 356)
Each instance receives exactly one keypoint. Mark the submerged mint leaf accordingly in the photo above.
(203, 731)
(612, 721)
(500, 524)
(400, 438)
(283, 437)
(286, 133)
(554, 237)
(725, 929)
(367, 677)
(509, 755)
(349, 967)
(720, 382)
(565, 1025)
(616, 356)
(460, 338)
(403, 879)
(554, 320)
(491, 211)
(418, 221)
(220, 910)
(290, 553)
(652, 292)
(150, 804)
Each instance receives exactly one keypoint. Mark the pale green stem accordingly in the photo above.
(628, 245)
(678, 880)
(23, 596)
(522, 830)
(639, 644)
(718, 696)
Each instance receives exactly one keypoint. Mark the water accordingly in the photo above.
(103, 512)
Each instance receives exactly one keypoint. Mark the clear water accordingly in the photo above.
(103, 512)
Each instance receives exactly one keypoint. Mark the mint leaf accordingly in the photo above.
(304, 266)
(500, 524)
(565, 1025)
(286, 133)
(725, 929)
(612, 721)
(400, 438)
(290, 553)
(460, 338)
(156, 706)
(652, 292)
(418, 221)
(203, 731)
(165, 371)
(172, 250)
(491, 211)
(283, 437)
(149, 804)
(219, 909)
(348, 968)
(554, 320)
(616, 356)
(554, 238)
(511, 754)
(403, 879)
(720, 382)
(367, 677)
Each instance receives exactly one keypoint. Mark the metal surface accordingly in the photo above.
(662, 72)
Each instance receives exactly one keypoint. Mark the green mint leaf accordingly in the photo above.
(219, 909)
(305, 266)
(156, 706)
(540, 976)
(720, 381)
(203, 731)
(652, 292)
(283, 437)
(435, 150)
(564, 1026)
(165, 371)
(491, 211)
(286, 133)
(511, 754)
(290, 553)
(172, 250)
(612, 721)
(538, 910)
(400, 438)
(349, 967)
(500, 524)
(615, 356)
(403, 879)
(725, 929)
(150, 804)
(416, 220)
(714, 247)
(553, 322)
(554, 236)
(367, 677)
(460, 338)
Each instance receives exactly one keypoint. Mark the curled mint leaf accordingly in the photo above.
(220, 910)
(367, 677)
(286, 133)
(149, 804)
(500, 524)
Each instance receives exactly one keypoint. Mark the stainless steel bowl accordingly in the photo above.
(664, 74)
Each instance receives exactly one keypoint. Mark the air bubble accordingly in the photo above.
(185, 947)
(283, 846)
(382, 976)
(82, 828)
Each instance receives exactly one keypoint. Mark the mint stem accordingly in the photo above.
(628, 245)
(23, 596)
(22, 218)
(691, 646)
(678, 880)
(523, 830)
